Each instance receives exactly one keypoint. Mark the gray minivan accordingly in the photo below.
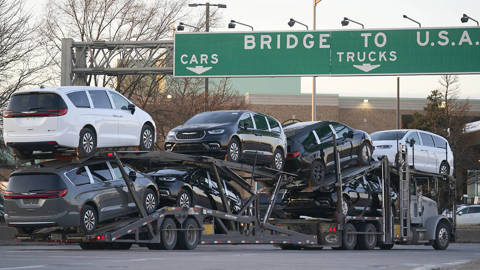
(73, 195)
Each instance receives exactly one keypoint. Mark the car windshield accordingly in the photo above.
(292, 129)
(388, 135)
(214, 118)
(20, 183)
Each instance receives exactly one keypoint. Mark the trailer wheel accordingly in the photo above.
(442, 236)
(189, 238)
(168, 234)
(349, 238)
(367, 241)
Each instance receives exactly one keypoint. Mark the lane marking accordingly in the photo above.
(23, 267)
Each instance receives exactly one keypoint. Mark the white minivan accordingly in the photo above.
(430, 152)
(83, 117)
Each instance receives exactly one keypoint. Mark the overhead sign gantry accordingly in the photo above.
(328, 53)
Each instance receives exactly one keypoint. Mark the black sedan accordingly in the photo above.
(362, 196)
(310, 149)
(188, 187)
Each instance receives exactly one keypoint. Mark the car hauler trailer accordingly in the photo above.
(414, 222)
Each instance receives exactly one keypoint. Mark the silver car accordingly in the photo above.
(76, 196)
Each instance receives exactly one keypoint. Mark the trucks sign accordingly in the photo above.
(328, 53)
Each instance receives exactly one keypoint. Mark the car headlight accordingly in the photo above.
(216, 131)
(171, 133)
(167, 178)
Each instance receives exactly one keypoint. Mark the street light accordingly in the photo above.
(233, 23)
(417, 22)
(465, 19)
(181, 26)
(292, 22)
(207, 28)
(347, 20)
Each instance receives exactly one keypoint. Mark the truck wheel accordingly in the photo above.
(88, 219)
(442, 236)
(190, 237)
(349, 238)
(367, 241)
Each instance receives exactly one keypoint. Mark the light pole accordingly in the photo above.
(465, 19)
(292, 22)
(314, 81)
(207, 28)
(181, 26)
(347, 20)
(233, 23)
(408, 18)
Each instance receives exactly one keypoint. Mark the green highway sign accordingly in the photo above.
(328, 53)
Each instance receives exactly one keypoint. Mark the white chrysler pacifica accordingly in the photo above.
(62, 118)
(430, 152)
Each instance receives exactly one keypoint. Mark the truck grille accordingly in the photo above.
(190, 135)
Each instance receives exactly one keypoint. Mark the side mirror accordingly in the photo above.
(459, 213)
(412, 142)
(131, 108)
(349, 134)
(132, 175)
(244, 126)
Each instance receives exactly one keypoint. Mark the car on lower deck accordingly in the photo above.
(310, 149)
(189, 187)
(73, 196)
(427, 152)
(59, 119)
(237, 135)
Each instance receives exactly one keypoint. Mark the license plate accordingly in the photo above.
(30, 201)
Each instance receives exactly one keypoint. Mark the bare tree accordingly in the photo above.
(20, 57)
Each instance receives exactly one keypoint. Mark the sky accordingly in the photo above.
(273, 15)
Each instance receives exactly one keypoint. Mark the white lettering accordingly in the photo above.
(427, 38)
(193, 59)
(382, 57)
(323, 39)
(214, 59)
(339, 56)
(393, 56)
(442, 35)
(203, 59)
(372, 56)
(308, 44)
(384, 39)
(365, 37)
(465, 38)
(249, 42)
(265, 40)
(278, 41)
(182, 59)
(350, 56)
(361, 56)
(291, 45)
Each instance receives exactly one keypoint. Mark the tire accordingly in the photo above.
(147, 138)
(88, 219)
(234, 150)
(150, 201)
(364, 154)
(444, 168)
(318, 172)
(346, 206)
(190, 237)
(278, 159)
(184, 199)
(168, 235)
(87, 144)
(349, 241)
(442, 236)
(367, 241)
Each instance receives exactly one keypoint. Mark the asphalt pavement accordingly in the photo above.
(457, 256)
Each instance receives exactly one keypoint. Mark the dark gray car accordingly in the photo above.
(76, 196)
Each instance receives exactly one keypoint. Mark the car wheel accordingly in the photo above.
(442, 236)
(88, 142)
(89, 219)
(346, 206)
(189, 237)
(318, 172)
(349, 238)
(367, 241)
(234, 150)
(278, 159)
(364, 154)
(184, 199)
(146, 138)
(444, 168)
(150, 201)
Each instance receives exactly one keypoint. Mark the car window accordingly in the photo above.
(340, 129)
(414, 135)
(199, 177)
(100, 99)
(79, 99)
(260, 122)
(78, 176)
(440, 142)
(388, 135)
(427, 139)
(120, 102)
(463, 211)
(310, 141)
(246, 118)
(324, 133)
(31, 182)
(117, 174)
(474, 210)
(100, 172)
(274, 125)
(34, 102)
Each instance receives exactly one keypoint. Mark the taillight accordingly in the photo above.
(332, 228)
(45, 195)
(293, 155)
(52, 112)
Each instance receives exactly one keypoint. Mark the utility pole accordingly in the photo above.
(398, 103)
(314, 81)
